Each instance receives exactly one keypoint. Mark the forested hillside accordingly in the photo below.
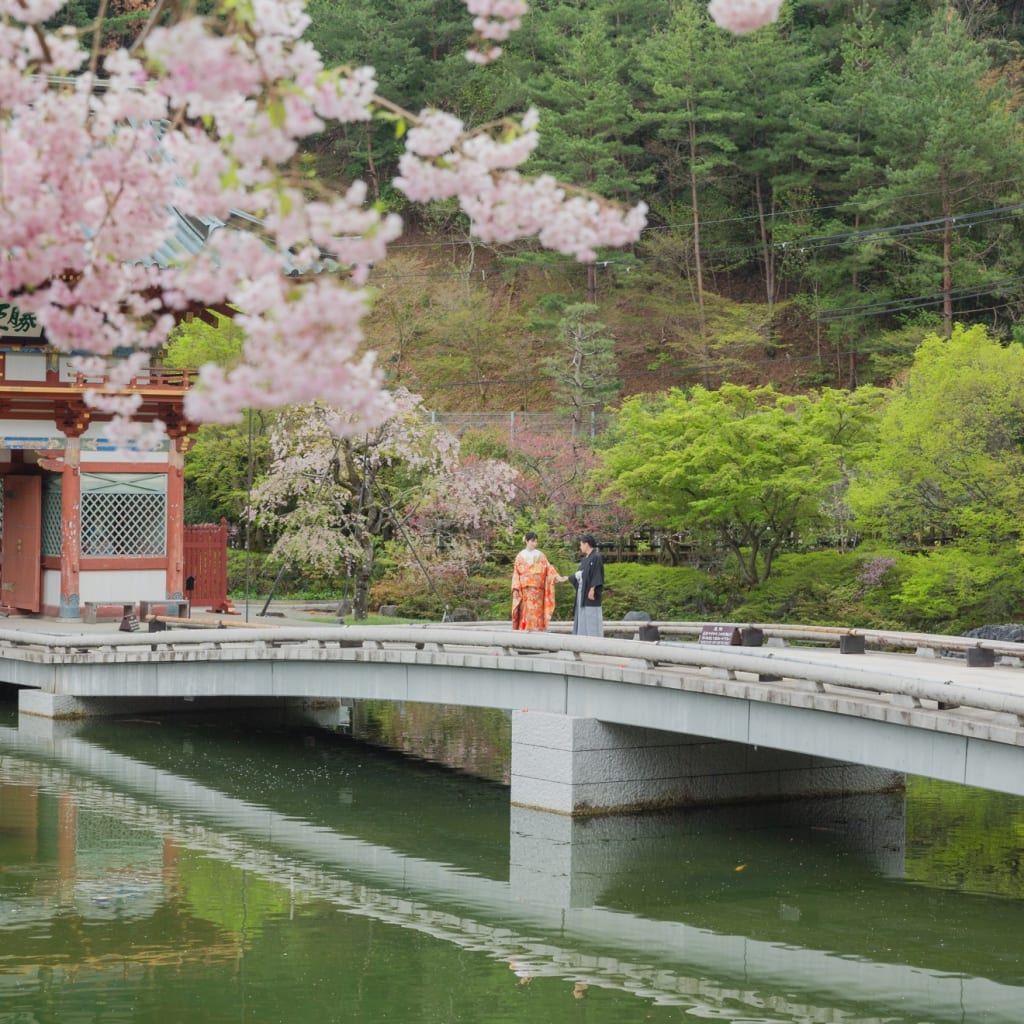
(822, 191)
(799, 396)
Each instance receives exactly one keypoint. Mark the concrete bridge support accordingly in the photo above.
(582, 766)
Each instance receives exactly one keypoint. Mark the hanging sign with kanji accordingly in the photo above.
(18, 323)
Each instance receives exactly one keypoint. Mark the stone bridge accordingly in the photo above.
(599, 725)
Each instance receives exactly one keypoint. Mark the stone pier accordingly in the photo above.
(582, 766)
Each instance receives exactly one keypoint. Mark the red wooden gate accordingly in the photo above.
(206, 566)
(20, 575)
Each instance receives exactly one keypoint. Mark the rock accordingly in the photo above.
(391, 610)
(1011, 632)
(636, 617)
(462, 615)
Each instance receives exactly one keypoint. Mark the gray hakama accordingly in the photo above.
(588, 620)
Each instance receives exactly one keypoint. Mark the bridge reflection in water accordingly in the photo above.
(158, 857)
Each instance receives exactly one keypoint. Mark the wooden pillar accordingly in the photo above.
(70, 529)
(176, 518)
(72, 420)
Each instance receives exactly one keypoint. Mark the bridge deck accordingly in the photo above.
(930, 715)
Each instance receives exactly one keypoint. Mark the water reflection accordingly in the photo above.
(219, 869)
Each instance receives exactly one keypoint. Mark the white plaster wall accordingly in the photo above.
(27, 366)
(141, 584)
(158, 458)
(68, 372)
(30, 434)
(51, 588)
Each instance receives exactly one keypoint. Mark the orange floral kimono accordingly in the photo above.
(533, 590)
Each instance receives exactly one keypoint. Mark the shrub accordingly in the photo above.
(415, 598)
(816, 588)
(665, 592)
(956, 588)
(256, 572)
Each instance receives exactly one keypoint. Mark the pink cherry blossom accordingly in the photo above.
(494, 21)
(742, 16)
(30, 12)
(192, 134)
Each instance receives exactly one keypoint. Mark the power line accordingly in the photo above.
(774, 216)
(809, 243)
(884, 307)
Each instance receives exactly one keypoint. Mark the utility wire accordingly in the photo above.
(883, 307)
(810, 243)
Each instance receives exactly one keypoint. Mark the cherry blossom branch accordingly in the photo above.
(154, 19)
(85, 203)
(97, 34)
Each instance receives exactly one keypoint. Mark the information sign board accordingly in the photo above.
(728, 636)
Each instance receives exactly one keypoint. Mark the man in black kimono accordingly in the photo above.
(589, 583)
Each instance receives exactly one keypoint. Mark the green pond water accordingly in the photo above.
(234, 869)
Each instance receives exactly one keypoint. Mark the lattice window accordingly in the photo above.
(124, 514)
(51, 539)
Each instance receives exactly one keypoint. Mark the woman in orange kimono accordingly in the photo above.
(533, 587)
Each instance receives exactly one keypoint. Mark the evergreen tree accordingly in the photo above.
(690, 98)
(953, 153)
(832, 268)
(584, 371)
(588, 122)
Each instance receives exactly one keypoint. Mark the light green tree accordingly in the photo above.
(748, 469)
(223, 459)
(950, 457)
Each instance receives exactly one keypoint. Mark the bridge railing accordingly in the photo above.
(664, 664)
(879, 639)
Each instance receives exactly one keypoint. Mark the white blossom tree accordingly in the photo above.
(333, 498)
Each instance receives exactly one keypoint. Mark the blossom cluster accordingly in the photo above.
(444, 161)
(493, 21)
(205, 116)
(742, 16)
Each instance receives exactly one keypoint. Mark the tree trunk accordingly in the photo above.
(697, 260)
(361, 582)
(947, 265)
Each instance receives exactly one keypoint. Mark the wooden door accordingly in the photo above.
(21, 574)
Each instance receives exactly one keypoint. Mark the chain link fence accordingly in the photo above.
(508, 426)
